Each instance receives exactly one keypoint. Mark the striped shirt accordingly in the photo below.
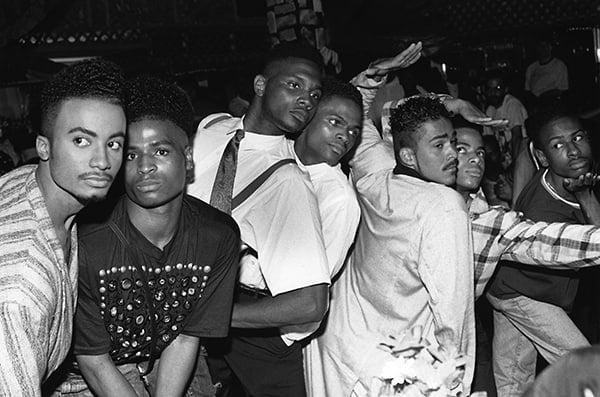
(37, 287)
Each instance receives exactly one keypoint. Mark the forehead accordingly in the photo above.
(562, 126)
(295, 66)
(469, 136)
(340, 106)
(146, 130)
(435, 128)
(95, 115)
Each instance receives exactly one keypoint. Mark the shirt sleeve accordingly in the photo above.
(446, 268)
(558, 245)
(89, 331)
(212, 313)
(373, 154)
(23, 348)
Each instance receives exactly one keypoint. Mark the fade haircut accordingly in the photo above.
(292, 49)
(151, 98)
(408, 117)
(92, 79)
(333, 87)
(543, 115)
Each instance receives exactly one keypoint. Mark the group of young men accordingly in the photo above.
(217, 262)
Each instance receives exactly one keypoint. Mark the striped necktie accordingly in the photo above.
(222, 191)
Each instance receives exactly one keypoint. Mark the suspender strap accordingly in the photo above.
(255, 184)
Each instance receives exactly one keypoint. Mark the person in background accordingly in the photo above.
(80, 146)
(548, 76)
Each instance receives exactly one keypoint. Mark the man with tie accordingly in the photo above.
(284, 278)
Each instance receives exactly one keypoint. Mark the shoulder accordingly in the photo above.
(14, 188)
(217, 121)
(435, 197)
(209, 217)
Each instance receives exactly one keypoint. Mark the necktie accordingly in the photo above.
(222, 191)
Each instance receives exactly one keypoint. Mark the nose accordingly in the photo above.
(145, 165)
(100, 159)
(451, 152)
(307, 101)
(343, 136)
(475, 159)
(573, 150)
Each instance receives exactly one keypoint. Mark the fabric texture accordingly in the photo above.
(191, 282)
(38, 287)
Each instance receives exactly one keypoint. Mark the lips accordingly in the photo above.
(146, 185)
(300, 114)
(451, 166)
(475, 172)
(97, 180)
(578, 164)
(338, 148)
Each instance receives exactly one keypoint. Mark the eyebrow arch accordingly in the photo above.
(442, 136)
(119, 134)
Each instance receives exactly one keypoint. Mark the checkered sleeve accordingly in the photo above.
(500, 233)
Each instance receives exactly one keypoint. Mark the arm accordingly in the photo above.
(103, 377)
(304, 305)
(23, 341)
(176, 365)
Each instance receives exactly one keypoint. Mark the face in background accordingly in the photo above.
(495, 90)
(435, 152)
(85, 148)
(290, 95)
(157, 160)
(565, 148)
(471, 159)
(332, 132)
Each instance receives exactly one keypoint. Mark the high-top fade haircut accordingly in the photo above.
(409, 116)
(333, 87)
(544, 114)
(291, 49)
(91, 79)
(151, 98)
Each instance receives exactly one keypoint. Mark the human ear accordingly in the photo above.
(260, 82)
(189, 158)
(541, 157)
(407, 157)
(42, 147)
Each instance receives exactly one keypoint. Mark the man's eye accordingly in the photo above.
(460, 149)
(334, 122)
(115, 145)
(481, 154)
(293, 84)
(162, 152)
(557, 146)
(353, 132)
(130, 156)
(316, 95)
(81, 141)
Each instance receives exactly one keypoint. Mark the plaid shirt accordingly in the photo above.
(500, 233)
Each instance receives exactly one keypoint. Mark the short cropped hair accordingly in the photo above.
(543, 115)
(151, 98)
(90, 79)
(292, 49)
(333, 87)
(409, 116)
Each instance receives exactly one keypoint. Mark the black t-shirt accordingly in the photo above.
(557, 287)
(190, 283)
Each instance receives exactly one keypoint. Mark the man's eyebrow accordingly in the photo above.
(441, 136)
(119, 134)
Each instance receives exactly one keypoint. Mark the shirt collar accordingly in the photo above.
(401, 169)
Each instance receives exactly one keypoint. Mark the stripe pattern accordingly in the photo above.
(38, 288)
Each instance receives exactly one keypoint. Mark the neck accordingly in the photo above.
(300, 148)
(158, 224)
(255, 122)
(545, 60)
(556, 182)
(465, 194)
(62, 207)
